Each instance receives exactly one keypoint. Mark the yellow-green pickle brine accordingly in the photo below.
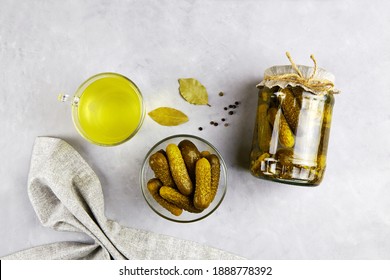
(293, 121)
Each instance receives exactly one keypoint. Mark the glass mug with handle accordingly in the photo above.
(107, 109)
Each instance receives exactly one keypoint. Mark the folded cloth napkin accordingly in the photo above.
(67, 196)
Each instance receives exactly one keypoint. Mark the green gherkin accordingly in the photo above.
(202, 197)
(215, 174)
(159, 164)
(154, 185)
(175, 197)
(286, 136)
(264, 132)
(178, 169)
(290, 109)
(298, 94)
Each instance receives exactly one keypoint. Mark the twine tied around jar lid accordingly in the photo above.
(312, 79)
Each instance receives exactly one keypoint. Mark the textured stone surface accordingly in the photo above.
(47, 47)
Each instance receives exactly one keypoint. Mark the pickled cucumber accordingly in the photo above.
(179, 170)
(263, 127)
(298, 94)
(202, 196)
(215, 174)
(204, 154)
(159, 164)
(290, 108)
(154, 186)
(327, 119)
(286, 136)
(190, 155)
(180, 200)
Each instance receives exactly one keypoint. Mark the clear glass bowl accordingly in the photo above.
(147, 174)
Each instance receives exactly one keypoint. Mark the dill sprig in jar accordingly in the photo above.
(293, 120)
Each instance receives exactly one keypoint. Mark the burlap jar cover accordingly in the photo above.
(312, 79)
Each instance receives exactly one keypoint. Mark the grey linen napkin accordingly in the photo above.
(67, 196)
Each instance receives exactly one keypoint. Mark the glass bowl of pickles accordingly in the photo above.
(183, 178)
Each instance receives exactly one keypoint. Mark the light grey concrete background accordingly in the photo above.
(47, 47)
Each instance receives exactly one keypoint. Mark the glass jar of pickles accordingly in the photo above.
(293, 120)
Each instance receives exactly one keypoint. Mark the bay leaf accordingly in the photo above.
(193, 91)
(168, 116)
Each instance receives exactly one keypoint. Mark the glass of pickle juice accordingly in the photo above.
(107, 109)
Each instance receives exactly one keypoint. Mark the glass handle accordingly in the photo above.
(65, 97)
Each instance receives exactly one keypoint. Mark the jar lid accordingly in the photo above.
(312, 79)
